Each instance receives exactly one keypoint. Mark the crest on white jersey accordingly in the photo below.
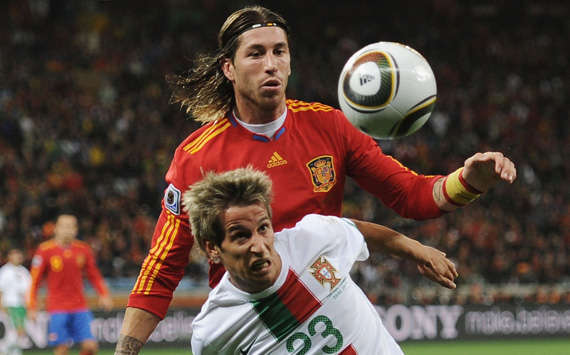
(323, 271)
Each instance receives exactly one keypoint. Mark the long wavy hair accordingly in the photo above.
(204, 91)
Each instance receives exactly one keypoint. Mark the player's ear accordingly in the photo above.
(212, 251)
(228, 69)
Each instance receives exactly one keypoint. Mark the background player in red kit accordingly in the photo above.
(308, 150)
(62, 262)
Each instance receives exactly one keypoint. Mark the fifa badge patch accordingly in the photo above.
(322, 173)
(172, 199)
(37, 261)
(323, 271)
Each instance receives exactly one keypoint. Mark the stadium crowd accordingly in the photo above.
(86, 125)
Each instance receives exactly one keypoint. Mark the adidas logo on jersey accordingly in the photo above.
(276, 160)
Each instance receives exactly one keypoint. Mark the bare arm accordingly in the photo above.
(431, 262)
(138, 325)
(106, 302)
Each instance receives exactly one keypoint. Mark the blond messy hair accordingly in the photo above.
(206, 200)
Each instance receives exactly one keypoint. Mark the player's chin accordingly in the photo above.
(271, 97)
(261, 282)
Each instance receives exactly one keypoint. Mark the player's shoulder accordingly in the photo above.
(224, 296)
(198, 139)
(215, 310)
(309, 224)
(23, 269)
(318, 220)
(315, 113)
(314, 231)
(46, 246)
(79, 244)
(192, 151)
(296, 106)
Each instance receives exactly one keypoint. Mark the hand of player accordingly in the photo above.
(106, 302)
(485, 170)
(436, 267)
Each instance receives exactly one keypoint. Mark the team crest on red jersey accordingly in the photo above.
(56, 263)
(323, 271)
(322, 173)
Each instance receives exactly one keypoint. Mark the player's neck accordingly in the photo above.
(254, 114)
(63, 243)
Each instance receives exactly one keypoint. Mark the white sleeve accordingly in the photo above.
(337, 237)
(355, 240)
(28, 280)
(196, 345)
(2, 282)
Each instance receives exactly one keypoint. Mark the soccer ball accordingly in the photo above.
(387, 90)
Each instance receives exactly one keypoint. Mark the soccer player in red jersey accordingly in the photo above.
(308, 150)
(62, 262)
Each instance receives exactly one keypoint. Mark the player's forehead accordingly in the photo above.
(267, 37)
(67, 219)
(235, 217)
(15, 252)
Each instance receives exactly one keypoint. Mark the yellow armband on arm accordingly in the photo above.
(457, 191)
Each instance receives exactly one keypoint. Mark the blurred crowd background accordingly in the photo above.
(86, 125)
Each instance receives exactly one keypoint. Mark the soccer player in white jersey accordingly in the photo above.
(14, 284)
(289, 292)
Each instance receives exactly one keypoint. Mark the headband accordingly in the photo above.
(280, 24)
(264, 24)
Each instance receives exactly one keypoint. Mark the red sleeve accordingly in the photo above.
(171, 244)
(406, 192)
(93, 273)
(38, 268)
(164, 265)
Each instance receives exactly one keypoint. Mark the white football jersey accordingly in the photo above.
(14, 285)
(314, 307)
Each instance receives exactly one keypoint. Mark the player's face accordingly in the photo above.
(248, 251)
(65, 228)
(16, 257)
(260, 70)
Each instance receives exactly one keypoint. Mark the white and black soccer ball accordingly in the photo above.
(387, 90)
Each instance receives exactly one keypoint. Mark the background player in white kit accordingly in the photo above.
(289, 292)
(14, 284)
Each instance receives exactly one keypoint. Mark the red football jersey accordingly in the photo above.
(64, 268)
(308, 159)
